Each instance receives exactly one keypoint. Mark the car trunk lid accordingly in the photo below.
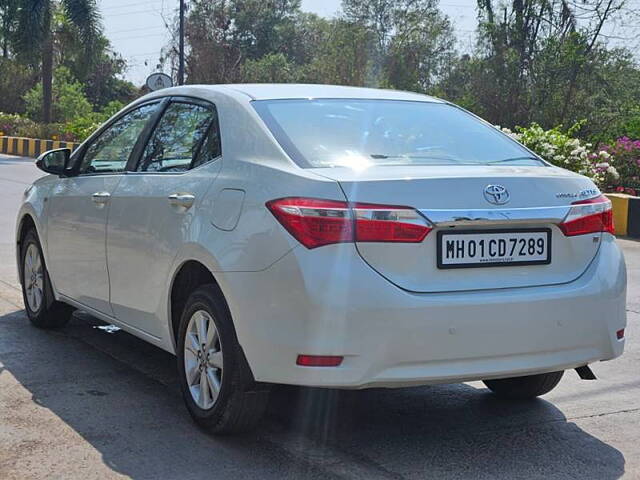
(453, 199)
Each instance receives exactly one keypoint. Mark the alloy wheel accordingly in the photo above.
(33, 277)
(203, 359)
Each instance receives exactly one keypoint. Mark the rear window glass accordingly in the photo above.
(360, 132)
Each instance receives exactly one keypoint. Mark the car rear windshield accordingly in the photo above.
(360, 133)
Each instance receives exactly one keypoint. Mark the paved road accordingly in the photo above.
(82, 403)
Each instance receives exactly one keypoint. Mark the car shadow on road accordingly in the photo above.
(120, 395)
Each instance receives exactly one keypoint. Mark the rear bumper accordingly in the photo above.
(329, 302)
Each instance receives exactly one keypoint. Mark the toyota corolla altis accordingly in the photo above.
(324, 236)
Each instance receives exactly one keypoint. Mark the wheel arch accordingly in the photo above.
(189, 275)
(27, 222)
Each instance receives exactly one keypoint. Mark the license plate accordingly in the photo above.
(494, 248)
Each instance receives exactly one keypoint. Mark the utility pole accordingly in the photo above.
(181, 53)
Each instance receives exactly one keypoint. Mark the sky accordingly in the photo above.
(137, 31)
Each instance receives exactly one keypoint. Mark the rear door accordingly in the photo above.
(152, 209)
(78, 209)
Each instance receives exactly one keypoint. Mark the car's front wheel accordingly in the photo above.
(217, 385)
(522, 388)
(41, 307)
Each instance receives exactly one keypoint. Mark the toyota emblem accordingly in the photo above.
(496, 194)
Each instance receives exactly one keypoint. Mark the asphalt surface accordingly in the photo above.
(85, 403)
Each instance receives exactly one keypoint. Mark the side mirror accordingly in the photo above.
(54, 161)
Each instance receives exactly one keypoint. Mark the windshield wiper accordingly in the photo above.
(516, 159)
(382, 156)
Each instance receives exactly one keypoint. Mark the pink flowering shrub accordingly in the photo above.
(14, 125)
(624, 155)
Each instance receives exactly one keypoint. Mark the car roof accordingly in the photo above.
(281, 91)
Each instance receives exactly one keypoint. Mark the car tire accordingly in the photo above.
(523, 388)
(217, 385)
(39, 302)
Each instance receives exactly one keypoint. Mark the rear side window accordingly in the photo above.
(186, 137)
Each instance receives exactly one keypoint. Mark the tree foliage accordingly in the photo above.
(546, 61)
(69, 100)
(35, 35)
(38, 36)
(257, 40)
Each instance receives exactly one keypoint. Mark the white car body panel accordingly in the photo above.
(144, 235)
(76, 232)
(395, 318)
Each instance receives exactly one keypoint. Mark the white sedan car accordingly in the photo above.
(324, 236)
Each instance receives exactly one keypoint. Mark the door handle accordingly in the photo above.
(184, 200)
(100, 197)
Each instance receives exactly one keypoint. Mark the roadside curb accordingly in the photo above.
(31, 147)
(626, 214)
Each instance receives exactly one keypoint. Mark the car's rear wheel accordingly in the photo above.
(522, 388)
(41, 307)
(217, 385)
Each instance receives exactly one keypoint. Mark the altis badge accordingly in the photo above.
(586, 193)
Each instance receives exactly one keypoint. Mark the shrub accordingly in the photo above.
(14, 125)
(69, 100)
(83, 126)
(562, 150)
(624, 154)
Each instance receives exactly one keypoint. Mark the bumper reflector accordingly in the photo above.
(620, 334)
(319, 360)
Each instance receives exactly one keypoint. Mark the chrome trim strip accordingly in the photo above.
(497, 216)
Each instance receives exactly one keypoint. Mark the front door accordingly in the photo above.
(78, 211)
(153, 208)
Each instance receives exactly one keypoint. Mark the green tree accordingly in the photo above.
(422, 48)
(223, 34)
(533, 58)
(35, 27)
(99, 70)
(272, 68)
(262, 27)
(343, 56)
(8, 23)
(413, 42)
(15, 80)
(214, 55)
(69, 99)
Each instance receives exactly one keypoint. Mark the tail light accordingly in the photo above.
(315, 222)
(588, 216)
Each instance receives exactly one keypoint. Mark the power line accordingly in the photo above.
(137, 30)
(139, 36)
(129, 5)
(133, 13)
(157, 52)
